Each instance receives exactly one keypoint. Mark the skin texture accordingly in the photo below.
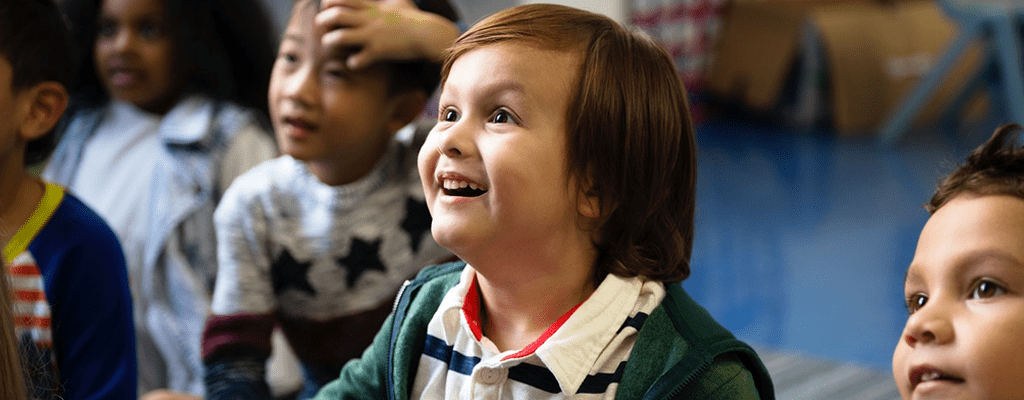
(965, 291)
(337, 120)
(501, 129)
(134, 54)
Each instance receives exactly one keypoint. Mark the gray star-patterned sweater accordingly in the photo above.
(323, 262)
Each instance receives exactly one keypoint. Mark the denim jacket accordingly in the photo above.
(172, 288)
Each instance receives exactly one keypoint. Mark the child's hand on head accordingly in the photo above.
(384, 30)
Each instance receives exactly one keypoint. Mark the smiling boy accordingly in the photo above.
(561, 171)
(965, 287)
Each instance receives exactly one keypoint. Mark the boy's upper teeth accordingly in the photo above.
(930, 376)
(452, 184)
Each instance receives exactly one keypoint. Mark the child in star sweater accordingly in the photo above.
(318, 240)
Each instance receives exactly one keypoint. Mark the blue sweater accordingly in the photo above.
(90, 308)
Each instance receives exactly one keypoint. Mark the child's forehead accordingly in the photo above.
(968, 235)
(303, 14)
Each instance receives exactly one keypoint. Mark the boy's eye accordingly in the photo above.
(916, 301)
(336, 73)
(336, 69)
(503, 117)
(107, 28)
(449, 116)
(150, 31)
(986, 289)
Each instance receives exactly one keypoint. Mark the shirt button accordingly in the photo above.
(489, 376)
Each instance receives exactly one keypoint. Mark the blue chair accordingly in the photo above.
(998, 24)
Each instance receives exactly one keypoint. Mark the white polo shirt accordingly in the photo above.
(581, 355)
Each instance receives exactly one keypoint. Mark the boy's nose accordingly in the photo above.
(455, 141)
(450, 152)
(123, 40)
(929, 325)
(301, 87)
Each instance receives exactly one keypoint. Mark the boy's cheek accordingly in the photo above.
(426, 170)
(899, 366)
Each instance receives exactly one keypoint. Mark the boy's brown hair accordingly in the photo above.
(994, 168)
(629, 134)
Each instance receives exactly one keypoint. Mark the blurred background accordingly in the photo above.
(822, 127)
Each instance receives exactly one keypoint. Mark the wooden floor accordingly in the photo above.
(802, 377)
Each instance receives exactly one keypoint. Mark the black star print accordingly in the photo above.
(362, 256)
(288, 273)
(417, 221)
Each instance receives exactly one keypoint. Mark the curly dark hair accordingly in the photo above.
(630, 135)
(230, 46)
(994, 168)
(35, 42)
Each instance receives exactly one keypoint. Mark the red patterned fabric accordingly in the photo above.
(688, 30)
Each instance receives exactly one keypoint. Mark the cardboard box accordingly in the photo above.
(757, 47)
(873, 54)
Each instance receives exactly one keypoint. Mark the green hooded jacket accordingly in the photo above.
(680, 353)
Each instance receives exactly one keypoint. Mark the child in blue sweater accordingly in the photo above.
(71, 303)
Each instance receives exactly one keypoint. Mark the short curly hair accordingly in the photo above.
(630, 135)
(994, 168)
(35, 41)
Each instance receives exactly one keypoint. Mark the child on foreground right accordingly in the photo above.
(561, 171)
(965, 287)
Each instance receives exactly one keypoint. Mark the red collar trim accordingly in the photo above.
(471, 311)
(532, 347)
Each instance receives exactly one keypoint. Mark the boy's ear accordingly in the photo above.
(407, 106)
(43, 105)
(588, 204)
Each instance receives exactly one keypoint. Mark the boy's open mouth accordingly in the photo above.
(299, 123)
(461, 188)
(923, 375)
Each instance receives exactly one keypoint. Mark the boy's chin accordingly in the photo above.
(296, 152)
(453, 240)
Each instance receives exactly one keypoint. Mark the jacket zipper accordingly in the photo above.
(395, 324)
(401, 291)
(689, 379)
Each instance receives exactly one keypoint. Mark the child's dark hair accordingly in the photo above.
(630, 138)
(226, 46)
(34, 40)
(994, 168)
